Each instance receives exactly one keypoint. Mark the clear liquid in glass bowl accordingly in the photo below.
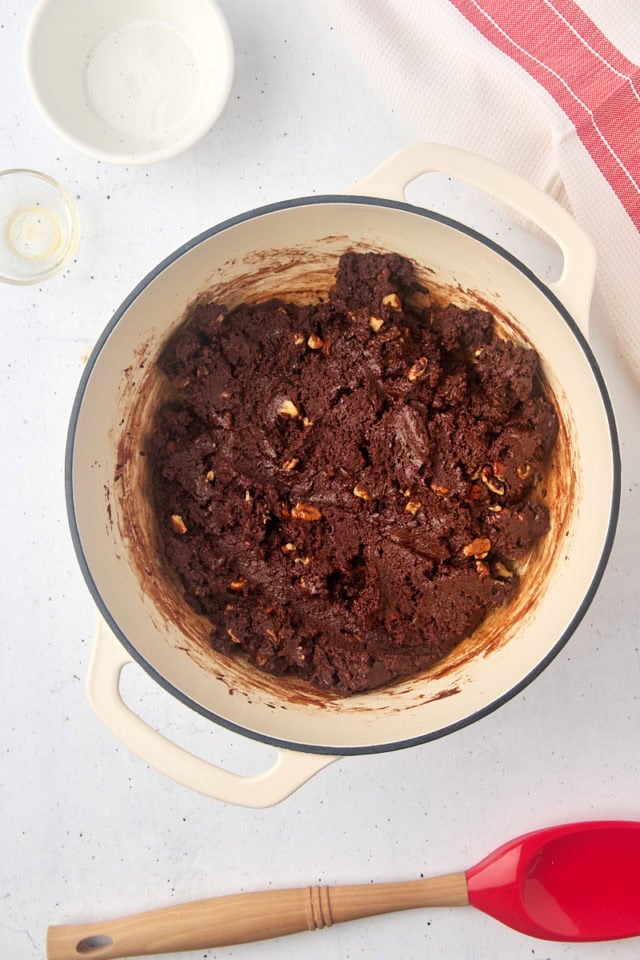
(38, 226)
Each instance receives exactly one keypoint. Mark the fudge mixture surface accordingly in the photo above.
(343, 488)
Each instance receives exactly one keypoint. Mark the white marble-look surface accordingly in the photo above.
(88, 830)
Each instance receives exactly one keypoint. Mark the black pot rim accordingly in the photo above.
(342, 750)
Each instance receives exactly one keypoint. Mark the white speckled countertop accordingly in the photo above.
(88, 830)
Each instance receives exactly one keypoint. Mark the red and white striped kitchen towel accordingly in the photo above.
(549, 88)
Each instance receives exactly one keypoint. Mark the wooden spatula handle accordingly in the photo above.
(245, 917)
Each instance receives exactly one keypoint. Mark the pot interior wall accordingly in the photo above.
(293, 252)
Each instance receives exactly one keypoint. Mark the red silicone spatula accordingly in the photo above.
(578, 881)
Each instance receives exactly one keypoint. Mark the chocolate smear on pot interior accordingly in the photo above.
(355, 479)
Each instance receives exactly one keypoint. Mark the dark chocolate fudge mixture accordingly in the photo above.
(343, 488)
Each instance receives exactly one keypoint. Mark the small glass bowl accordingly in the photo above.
(39, 226)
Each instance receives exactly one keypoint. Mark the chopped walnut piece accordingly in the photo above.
(418, 368)
(233, 636)
(288, 547)
(491, 482)
(483, 569)
(439, 490)
(306, 512)
(315, 342)
(502, 572)
(289, 410)
(524, 472)
(392, 300)
(290, 464)
(178, 524)
(412, 507)
(298, 338)
(210, 477)
(376, 323)
(238, 584)
(478, 548)
(359, 491)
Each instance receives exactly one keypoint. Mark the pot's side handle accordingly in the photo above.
(291, 770)
(574, 287)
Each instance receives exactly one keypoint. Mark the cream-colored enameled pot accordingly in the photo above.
(291, 249)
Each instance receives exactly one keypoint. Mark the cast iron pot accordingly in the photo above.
(291, 249)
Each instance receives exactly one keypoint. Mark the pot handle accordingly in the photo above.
(291, 770)
(574, 287)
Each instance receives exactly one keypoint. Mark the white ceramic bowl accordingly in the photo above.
(292, 249)
(129, 81)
